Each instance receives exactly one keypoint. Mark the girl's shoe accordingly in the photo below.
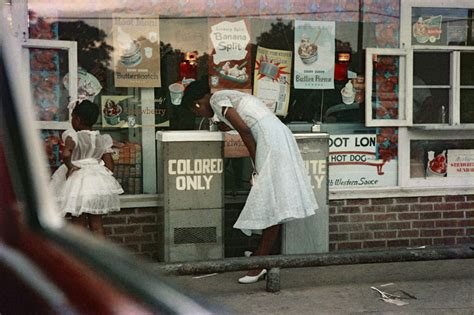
(253, 279)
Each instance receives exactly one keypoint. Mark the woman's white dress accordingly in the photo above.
(282, 191)
(92, 188)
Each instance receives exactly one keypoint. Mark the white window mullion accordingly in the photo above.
(403, 157)
(409, 87)
(454, 93)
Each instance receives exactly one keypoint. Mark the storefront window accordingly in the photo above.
(431, 87)
(48, 67)
(305, 60)
(432, 159)
(389, 73)
(467, 88)
(442, 26)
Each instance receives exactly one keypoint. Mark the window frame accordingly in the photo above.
(71, 48)
(405, 80)
(453, 130)
(404, 158)
(454, 122)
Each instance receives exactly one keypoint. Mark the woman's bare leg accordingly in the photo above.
(80, 221)
(96, 225)
(269, 237)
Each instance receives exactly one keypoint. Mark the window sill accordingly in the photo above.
(141, 201)
(393, 192)
(156, 200)
(443, 127)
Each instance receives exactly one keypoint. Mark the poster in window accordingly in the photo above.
(229, 60)
(272, 79)
(136, 56)
(354, 163)
(460, 163)
(314, 54)
(427, 30)
(117, 111)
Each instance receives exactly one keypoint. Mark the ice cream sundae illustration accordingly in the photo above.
(112, 112)
(307, 50)
(129, 49)
(233, 72)
(437, 166)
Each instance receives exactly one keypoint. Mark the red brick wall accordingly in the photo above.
(353, 224)
(401, 222)
(137, 229)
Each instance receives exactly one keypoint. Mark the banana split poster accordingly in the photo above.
(229, 59)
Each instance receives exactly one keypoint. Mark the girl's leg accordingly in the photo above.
(269, 237)
(80, 221)
(95, 221)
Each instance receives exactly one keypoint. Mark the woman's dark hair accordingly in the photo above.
(87, 111)
(195, 90)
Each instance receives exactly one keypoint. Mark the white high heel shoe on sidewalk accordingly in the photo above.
(253, 279)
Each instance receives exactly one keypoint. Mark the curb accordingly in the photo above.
(314, 260)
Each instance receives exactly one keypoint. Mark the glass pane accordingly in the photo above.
(431, 87)
(441, 158)
(121, 117)
(467, 67)
(53, 148)
(467, 106)
(430, 105)
(386, 88)
(442, 26)
(50, 96)
(431, 68)
(128, 160)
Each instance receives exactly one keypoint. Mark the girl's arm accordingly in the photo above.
(69, 145)
(244, 131)
(109, 162)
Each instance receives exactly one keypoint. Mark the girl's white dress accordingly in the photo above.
(92, 188)
(282, 191)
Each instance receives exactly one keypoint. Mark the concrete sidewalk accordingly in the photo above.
(440, 287)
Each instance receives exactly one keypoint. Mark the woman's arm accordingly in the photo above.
(244, 131)
(109, 162)
(223, 126)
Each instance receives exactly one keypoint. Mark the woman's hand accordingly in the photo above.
(71, 170)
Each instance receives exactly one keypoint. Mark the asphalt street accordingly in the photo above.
(440, 287)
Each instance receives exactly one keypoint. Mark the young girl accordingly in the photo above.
(84, 184)
(282, 191)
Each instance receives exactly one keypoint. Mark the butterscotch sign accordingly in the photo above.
(136, 51)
